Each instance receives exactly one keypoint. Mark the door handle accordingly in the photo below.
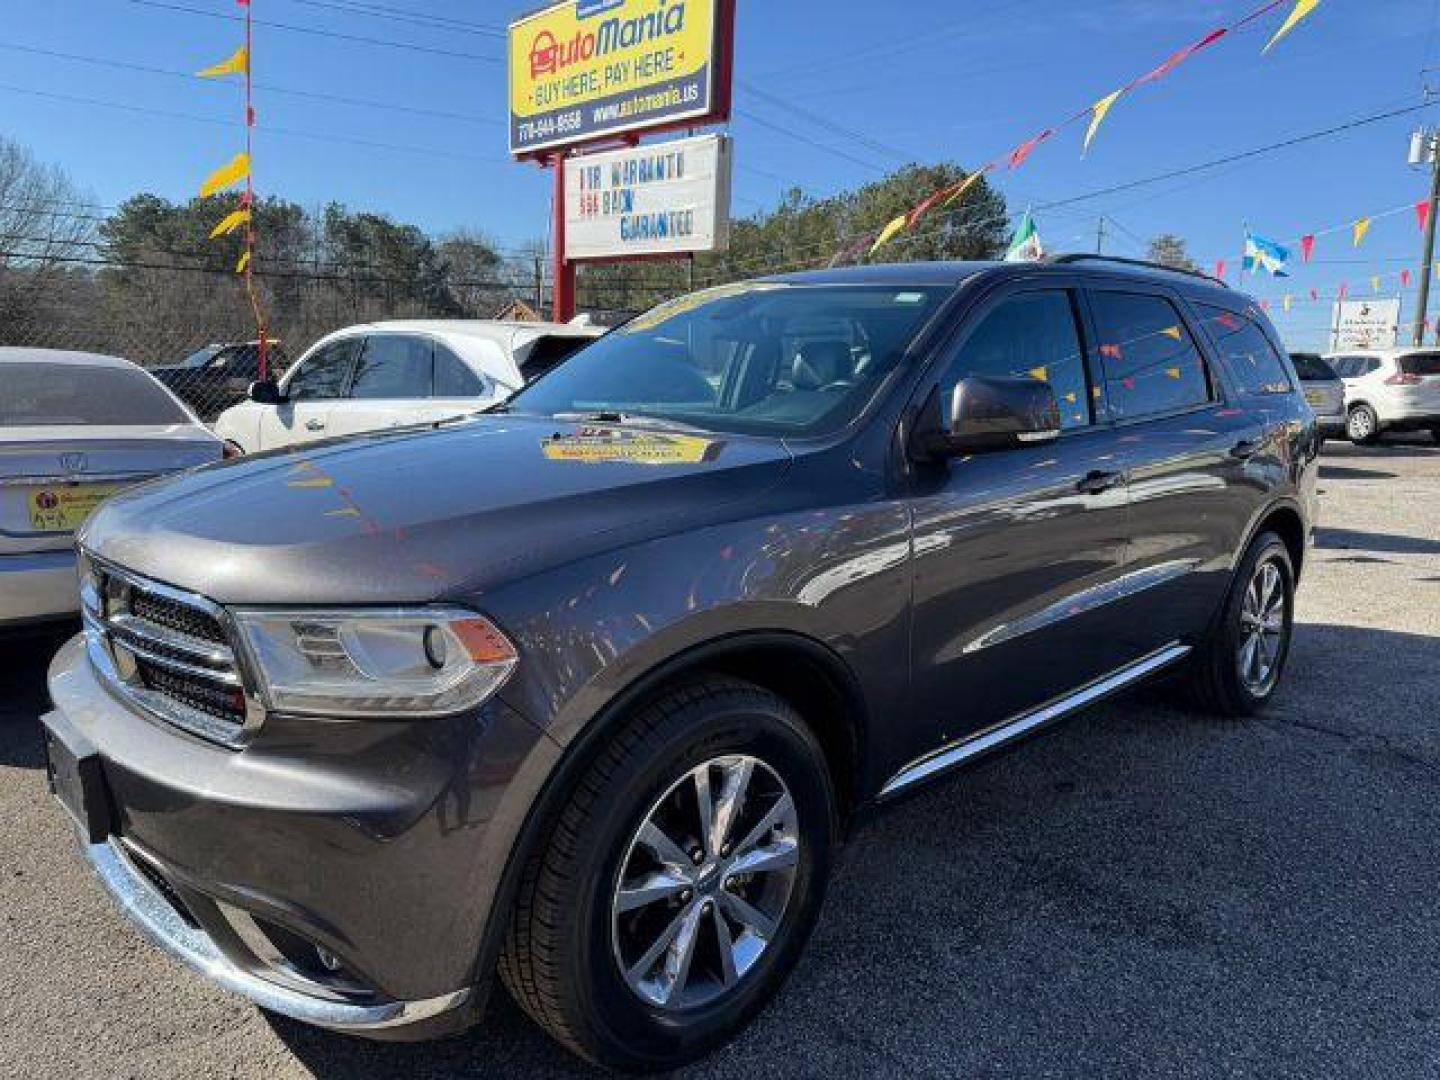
(1245, 449)
(314, 425)
(1097, 481)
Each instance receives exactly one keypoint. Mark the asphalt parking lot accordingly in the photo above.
(1143, 892)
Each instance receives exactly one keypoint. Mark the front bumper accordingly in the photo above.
(373, 844)
(37, 587)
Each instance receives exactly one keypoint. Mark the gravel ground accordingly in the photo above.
(1143, 892)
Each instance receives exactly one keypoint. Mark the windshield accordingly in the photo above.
(200, 357)
(763, 358)
(1311, 368)
(33, 394)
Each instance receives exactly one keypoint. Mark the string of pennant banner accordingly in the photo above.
(236, 173)
(1096, 114)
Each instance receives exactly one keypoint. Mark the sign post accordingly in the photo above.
(583, 73)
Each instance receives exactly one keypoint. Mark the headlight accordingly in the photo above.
(376, 662)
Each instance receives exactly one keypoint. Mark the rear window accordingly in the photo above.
(72, 394)
(1420, 364)
(1246, 352)
(1311, 368)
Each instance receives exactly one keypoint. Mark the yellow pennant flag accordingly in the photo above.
(1374, 284)
(1040, 373)
(1172, 331)
(243, 263)
(888, 232)
(230, 222)
(229, 174)
(1301, 9)
(1361, 228)
(1097, 117)
(1287, 301)
(1173, 372)
(965, 186)
(237, 63)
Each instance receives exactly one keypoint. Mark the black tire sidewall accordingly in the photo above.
(1265, 548)
(639, 1035)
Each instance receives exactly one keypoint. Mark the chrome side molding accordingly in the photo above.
(962, 750)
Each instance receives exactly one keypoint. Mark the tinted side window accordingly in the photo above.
(393, 366)
(453, 378)
(1034, 336)
(1420, 364)
(1246, 352)
(322, 376)
(1311, 368)
(1152, 365)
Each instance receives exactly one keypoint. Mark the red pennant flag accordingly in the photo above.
(1025, 149)
(1264, 305)
(1180, 57)
(1422, 213)
(1344, 290)
(1220, 269)
(1307, 247)
(1404, 279)
(1314, 294)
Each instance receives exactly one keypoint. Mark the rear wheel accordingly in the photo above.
(679, 883)
(1362, 425)
(1237, 668)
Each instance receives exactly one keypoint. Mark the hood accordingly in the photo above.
(423, 515)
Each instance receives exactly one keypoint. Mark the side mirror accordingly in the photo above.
(986, 413)
(266, 392)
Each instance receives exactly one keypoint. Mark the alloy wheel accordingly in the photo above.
(704, 883)
(1264, 624)
(1360, 424)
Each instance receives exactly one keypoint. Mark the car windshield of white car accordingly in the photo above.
(37, 394)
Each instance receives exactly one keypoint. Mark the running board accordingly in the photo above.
(947, 757)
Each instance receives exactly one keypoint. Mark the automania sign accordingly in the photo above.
(665, 198)
(585, 69)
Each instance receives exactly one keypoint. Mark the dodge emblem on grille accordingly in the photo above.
(73, 463)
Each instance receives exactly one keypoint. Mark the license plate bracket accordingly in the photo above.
(76, 778)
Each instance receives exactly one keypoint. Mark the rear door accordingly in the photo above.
(1200, 461)
(311, 391)
(1418, 383)
(1018, 554)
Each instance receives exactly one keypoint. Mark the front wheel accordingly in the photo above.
(1362, 425)
(1237, 668)
(680, 881)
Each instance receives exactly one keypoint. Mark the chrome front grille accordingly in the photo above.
(168, 651)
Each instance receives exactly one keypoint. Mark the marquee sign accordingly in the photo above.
(582, 70)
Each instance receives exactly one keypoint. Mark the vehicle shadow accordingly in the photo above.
(1142, 885)
(23, 697)
(1355, 540)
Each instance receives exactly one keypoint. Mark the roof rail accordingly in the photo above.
(1085, 256)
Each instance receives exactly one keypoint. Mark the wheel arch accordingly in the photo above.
(1283, 519)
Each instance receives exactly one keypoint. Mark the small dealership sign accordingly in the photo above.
(1365, 324)
(668, 198)
(585, 69)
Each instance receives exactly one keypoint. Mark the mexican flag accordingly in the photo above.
(1026, 245)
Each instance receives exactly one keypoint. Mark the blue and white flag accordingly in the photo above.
(1262, 254)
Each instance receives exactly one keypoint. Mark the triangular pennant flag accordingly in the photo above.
(1097, 116)
(1025, 149)
(1422, 213)
(244, 263)
(886, 233)
(1307, 247)
(1404, 279)
(1264, 305)
(1220, 269)
(1173, 372)
(237, 63)
(1359, 230)
(1314, 294)
(1040, 373)
(965, 185)
(1301, 9)
(230, 222)
(923, 207)
(1344, 290)
(1375, 284)
(229, 174)
(1287, 301)
(1172, 331)
(1176, 59)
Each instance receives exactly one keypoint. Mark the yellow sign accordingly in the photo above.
(64, 507)
(597, 445)
(583, 69)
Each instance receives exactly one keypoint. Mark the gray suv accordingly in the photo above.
(588, 689)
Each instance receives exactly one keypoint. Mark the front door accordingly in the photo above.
(311, 391)
(1019, 553)
(392, 387)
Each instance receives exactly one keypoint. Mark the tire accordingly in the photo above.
(1217, 684)
(1362, 426)
(567, 941)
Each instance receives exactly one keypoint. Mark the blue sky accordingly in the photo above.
(929, 80)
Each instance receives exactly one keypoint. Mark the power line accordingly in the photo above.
(826, 123)
(413, 18)
(333, 34)
(367, 103)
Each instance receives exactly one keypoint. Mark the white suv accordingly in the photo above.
(1389, 390)
(393, 374)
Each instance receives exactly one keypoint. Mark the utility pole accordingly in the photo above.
(1100, 236)
(1427, 263)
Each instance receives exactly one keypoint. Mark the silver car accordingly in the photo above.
(74, 429)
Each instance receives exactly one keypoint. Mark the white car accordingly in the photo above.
(74, 429)
(393, 374)
(1389, 390)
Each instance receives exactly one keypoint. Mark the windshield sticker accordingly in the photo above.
(590, 445)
